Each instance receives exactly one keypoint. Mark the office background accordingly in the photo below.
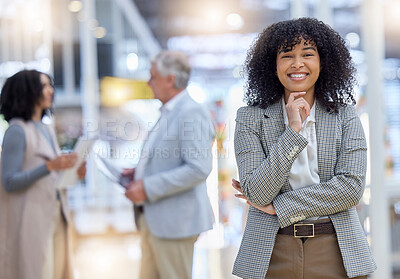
(99, 53)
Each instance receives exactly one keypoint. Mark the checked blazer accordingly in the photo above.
(265, 151)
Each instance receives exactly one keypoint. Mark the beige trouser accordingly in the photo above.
(56, 253)
(165, 258)
(316, 258)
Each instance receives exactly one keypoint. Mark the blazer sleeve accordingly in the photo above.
(343, 191)
(195, 152)
(262, 172)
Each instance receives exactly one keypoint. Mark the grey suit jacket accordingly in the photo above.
(265, 151)
(175, 175)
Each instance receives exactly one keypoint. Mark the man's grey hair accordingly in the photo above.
(174, 63)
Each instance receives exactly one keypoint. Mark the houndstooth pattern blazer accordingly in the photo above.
(265, 151)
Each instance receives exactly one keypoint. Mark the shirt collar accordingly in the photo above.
(170, 105)
(310, 118)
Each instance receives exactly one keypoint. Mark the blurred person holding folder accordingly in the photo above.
(34, 238)
(169, 184)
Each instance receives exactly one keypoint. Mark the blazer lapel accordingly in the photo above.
(172, 114)
(43, 147)
(273, 128)
(162, 134)
(273, 124)
(325, 127)
(168, 121)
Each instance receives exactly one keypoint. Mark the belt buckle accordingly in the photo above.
(299, 236)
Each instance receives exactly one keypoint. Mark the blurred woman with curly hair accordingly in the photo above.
(301, 154)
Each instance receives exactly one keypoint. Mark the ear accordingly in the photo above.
(171, 80)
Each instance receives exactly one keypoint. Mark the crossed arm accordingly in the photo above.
(13, 154)
(339, 193)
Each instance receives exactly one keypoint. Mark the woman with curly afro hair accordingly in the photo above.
(301, 155)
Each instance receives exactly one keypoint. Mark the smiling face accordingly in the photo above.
(298, 68)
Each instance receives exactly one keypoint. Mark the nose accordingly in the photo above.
(297, 63)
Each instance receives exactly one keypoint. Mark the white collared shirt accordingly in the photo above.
(304, 171)
(152, 134)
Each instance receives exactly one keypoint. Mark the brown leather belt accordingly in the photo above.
(308, 229)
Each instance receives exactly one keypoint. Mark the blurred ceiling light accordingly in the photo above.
(197, 93)
(213, 14)
(353, 39)
(75, 6)
(93, 24)
(100, 32)
(235, 21)
(212, 18)
(132, 61)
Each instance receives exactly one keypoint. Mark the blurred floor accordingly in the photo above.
(117, 256)
(107, 244)
(108, 256)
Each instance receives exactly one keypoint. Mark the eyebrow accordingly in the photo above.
(305, 48)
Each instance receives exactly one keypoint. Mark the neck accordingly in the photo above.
(172, 95)
(310, 99)
(37, 115)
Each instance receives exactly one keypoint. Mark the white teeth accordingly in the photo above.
(297, 75)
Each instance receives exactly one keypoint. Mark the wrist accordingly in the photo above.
(296, 129)
(48, 166)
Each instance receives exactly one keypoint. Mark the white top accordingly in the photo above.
(304, 171)
(152, 135)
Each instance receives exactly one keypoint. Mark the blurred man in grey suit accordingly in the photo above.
(169, 187)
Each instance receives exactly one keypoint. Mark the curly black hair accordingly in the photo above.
(336, 80)
(20, 93)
